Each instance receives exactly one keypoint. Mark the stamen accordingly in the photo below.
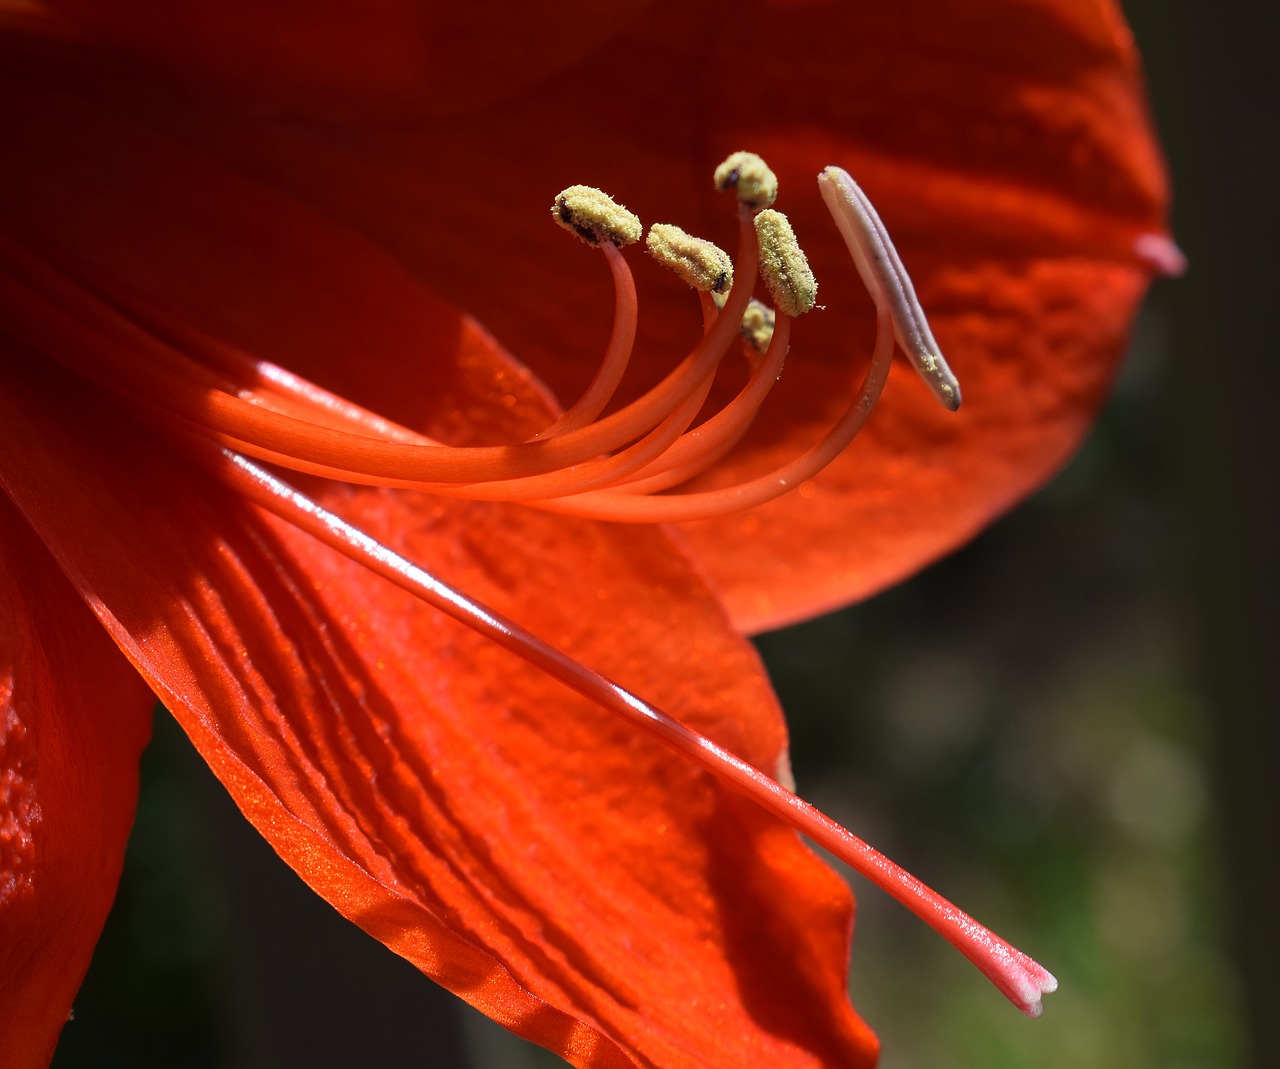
(677, 508)
(757, 325)
(708, 443)
(617, 356)
(701, 265)
(887, 280)
(750, 177)
(219, 404)
(167, 380)
(605, 471)
(1016, 975)
(783, 265)
(595, 217)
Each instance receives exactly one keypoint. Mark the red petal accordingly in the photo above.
(574, 881)
(342, 58)
(74, 717)
(1006, 143)
(457, 805)
(1008, 148)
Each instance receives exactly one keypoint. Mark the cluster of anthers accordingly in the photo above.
(226, 406)
(650, 448)
(620, 467)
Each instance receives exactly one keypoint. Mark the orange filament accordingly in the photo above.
(56, 316)
(625, 316)
(699, 449)
(608, 467)
(673, 508)
(616, 467)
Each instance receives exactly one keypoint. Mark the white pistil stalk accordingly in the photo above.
(1018, 977)
(887, 280)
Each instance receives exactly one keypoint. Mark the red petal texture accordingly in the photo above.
(346, 58)
(1006, 143)
(74, 717)
(576, 882)
(528, 854)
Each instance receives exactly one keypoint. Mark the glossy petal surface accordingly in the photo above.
(74, 717)
(569, 878)
(381, 750)
(572, 880)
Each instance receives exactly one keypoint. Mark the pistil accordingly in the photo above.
(887, 280)
(1022, 980)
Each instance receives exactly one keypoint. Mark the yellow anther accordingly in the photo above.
(750, 177)
(705, 267)
(595, 217)
(783, 265)
(757, 325)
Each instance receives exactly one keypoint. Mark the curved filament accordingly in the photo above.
(673, 508)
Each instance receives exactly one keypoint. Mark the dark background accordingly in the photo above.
(1069, 726)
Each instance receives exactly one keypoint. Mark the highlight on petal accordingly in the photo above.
(74, 717)
(537, 859)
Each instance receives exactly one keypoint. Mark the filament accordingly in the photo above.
(618, 354)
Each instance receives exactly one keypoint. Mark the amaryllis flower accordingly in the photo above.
(244, 242)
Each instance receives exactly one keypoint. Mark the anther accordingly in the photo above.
(887, 281)
(595, 217)
(700, 264)
(757, 325)
(783, 265)
(750, 177)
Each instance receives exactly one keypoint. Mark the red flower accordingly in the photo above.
(332, 188)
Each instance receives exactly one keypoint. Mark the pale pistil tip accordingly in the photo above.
(947, 390)
(1032, 986)
(887, 281)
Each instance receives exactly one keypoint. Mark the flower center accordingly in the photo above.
(228, 407)
(627, 466)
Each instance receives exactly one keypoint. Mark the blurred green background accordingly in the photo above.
(1068, 727)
